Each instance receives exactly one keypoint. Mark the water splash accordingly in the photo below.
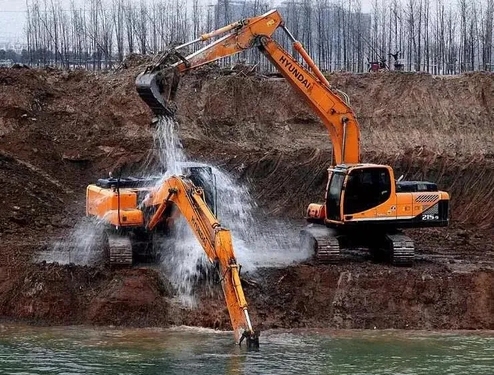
(184, 262)
(258, 241)
(182, 258)
(81, 247)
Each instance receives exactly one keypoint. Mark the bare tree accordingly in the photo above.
(487, 29)
(130, 24)
(118, 24)
(439, 37)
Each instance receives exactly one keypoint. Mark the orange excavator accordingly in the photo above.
(364, 207)
(133, 210)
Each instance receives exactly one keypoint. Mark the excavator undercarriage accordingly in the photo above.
(330, 246)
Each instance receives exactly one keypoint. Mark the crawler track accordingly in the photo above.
(120, 250)
(401, 249)
(322, 240)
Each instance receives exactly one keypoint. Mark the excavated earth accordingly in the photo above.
(60, 131)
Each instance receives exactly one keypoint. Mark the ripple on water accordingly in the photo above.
(188, 350)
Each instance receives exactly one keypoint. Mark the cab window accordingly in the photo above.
(366, 188)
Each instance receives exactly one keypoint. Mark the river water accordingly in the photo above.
(188, 351)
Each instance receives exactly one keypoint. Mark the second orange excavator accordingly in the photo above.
(134, 210)
(364, 205)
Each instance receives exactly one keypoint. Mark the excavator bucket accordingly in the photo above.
(157, 90)
(158, 84)
(252, 339)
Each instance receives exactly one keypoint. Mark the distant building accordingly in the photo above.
(321, 29)
(334, 36)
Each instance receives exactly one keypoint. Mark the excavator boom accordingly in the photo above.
(216, 242)
(157, 85)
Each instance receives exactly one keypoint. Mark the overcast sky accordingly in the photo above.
(12, 16)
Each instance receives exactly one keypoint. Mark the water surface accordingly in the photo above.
(82, 350)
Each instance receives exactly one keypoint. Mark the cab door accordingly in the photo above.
(333, 196)
(369, 194)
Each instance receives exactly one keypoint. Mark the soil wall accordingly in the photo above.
(60, 131)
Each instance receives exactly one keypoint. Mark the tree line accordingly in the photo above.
(436, 36)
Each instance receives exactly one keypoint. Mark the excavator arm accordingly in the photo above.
(157, 85)
(214, 239)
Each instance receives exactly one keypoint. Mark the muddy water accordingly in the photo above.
(76, 350)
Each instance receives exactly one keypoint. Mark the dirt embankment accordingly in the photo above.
(60, 131)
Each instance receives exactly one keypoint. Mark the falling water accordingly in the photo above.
(82, 246)
(168, 147)
(259, 241)
(267, 243)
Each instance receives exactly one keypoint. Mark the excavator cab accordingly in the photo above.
(356, 189)
(366, 188)
(202, 176)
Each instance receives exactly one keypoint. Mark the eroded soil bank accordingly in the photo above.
(60, 131)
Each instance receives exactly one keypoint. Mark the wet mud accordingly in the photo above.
(60, 131)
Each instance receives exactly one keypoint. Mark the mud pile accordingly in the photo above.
(60, 131)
